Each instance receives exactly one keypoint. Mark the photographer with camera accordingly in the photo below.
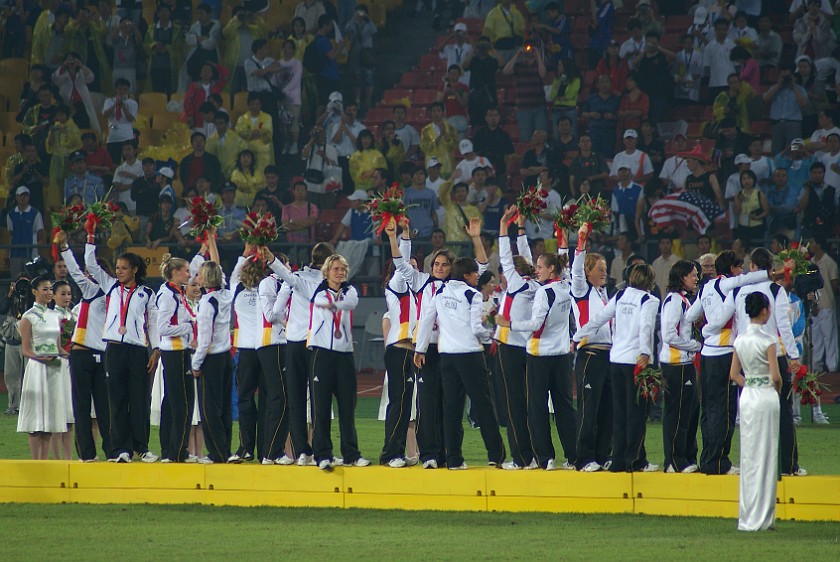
(72, 79)
(527, 67)
(824, 328)
(13, 305)
(786, 102)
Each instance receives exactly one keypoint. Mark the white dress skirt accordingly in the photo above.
(157, 398)
(66, 381)
(759, 429)
(43, 404)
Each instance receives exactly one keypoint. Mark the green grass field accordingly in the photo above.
(76, 532)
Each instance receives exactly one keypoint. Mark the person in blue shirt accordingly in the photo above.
(786, 102)
(26, 225)
(796, 161)
(356, 220)
(327, 79)
(81, 182)
(601, 108)
(784, 205)
(600, 29)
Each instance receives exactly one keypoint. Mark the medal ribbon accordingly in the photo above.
(124, 304)
(336, 315)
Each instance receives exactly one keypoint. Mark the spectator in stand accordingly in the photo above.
(759, 163)
(248, 178)
(164, 179)
(310, 11)
(342, 136)
(391, 147)
(202, 40)
(624, 247)
(732, 187)
(144, 193)
(806, 77)
(626, 199)
(601, 110)
(644, 13)
(408, 135)
(741, 33)
(797, 162)
(664, 262)
(768, 48)
(819, 204)
(536, 160)
(231, 214)
(438, 139)
(121, 112)
(819, 138)
(422, 205)
(471, 160)
(300, 216)
(39, 75)
(492, 207)
(730, 142)
(747, 67)
(16, 158)
(261, 74)
(454, 97)
(240, 32)
(634, 106)
(49, 40)
(526, 65)
(505, 27)
(161, 229)
(433, 178)
(784, 205)
(544, 229)
(589, 171)
(639, 164)
(751, 208)
(654, 76)
(634, 44)
(799, 8)
(674, 170)
(558, 30)
(481, 64)
(457, 49)
(212, 79)
(716, 59)
(359, 32)
(812, 33)
(563, 95)
(36, 122)
(615, 67)
(26, 226)
(477, 183)
(300, 37)
(272, 194)
(256, 128)
(126, 42)
(365, 160)
(164, 46)
(824, 323)
(290, 78)
(831, 160)
(458, 212)
(63, 139)
(199, 163)
(127, 172)
(687, 69)
(734, 102)
(495, 143)
(650, 144)
(600, 30)
(72, 79)
(224, 143)
(87, 37)
(99, 162)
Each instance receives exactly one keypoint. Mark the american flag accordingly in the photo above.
(686, 208)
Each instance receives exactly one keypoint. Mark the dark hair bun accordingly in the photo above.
(755, 303)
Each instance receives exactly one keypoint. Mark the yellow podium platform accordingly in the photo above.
(808, 498)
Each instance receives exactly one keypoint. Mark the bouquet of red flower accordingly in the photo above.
(67, 219)
(203, 215)
(564, 219)
(259, 231)
(387, 206)
(593, 212)
(530, 204)
(67, 328)
(648, 383)
(101, 214)
(807, 384)
(797, 260)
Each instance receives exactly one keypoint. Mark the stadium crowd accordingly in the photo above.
(704, 132)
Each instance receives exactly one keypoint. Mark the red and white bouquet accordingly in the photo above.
(203, 216)
(595, 213)
(68, 219)
(530, 204)
(808, 385)
(564, 220)
(101, 214)
(67, 328)
(386, 206)
(797, 260)
(648, 383)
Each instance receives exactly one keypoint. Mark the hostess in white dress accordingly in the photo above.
(43, 404)
(759, 409)
(66, 381)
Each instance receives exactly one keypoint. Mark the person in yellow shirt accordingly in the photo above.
(256, 129)
(241, 23)
(225, 144)
(453, 198)
(438, 140)
(365, 160)
(21, 140)
(248, 178)
(64, 138)
(505, 27)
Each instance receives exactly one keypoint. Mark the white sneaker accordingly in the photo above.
(649, 467)
(494, 464)
(690, 469)
(124, 458)
(798, 472)
(191, 459)
(165, 461)
(267, 462)
(431, 463)
(797, 420)
(462, 466)
(94, 459)
(608, 464)
(204, 460)
(551, 465)
(533, 465)
(820, 419)
(396, 463)
(510, 465)
(733, 471)
(362, 462)
(411, 461)
(670, 469)
(338, 461)
(285, 460)
(306, 460)
(591, 467)
(234, 459)
(149, 457)
(293, 150)
(567, 466)
(325, 465)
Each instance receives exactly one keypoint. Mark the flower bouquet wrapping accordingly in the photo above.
(68, 219)
(259, 231)
(67, 327)
(797, 260)
(101, 214)
(203, 216)
(386, 206)
(595, 213)
(648, 383)
(530, 204)
(807, 384)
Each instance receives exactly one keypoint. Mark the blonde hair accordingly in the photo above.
(252, 273)
(170, 264)
(641, 276)
(332, 259)
(211, 275)
(592, 260)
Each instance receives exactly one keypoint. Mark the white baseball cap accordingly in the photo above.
(433, 162)
(358, 195)
(631, 133)
(167, 172)
(461, 27)
(465, 146)
(21, 190)
(700, 15)
(742, 159)
(336, 96)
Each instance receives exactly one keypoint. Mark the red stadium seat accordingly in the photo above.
(424, 97)
(378, 114)
(431, 61)
(412, 80)
(395, 96)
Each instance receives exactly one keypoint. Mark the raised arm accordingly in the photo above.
(727, 284)
(105, 281)
(88, 287)
(474, 232)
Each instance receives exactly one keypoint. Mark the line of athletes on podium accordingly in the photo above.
(293, 333)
